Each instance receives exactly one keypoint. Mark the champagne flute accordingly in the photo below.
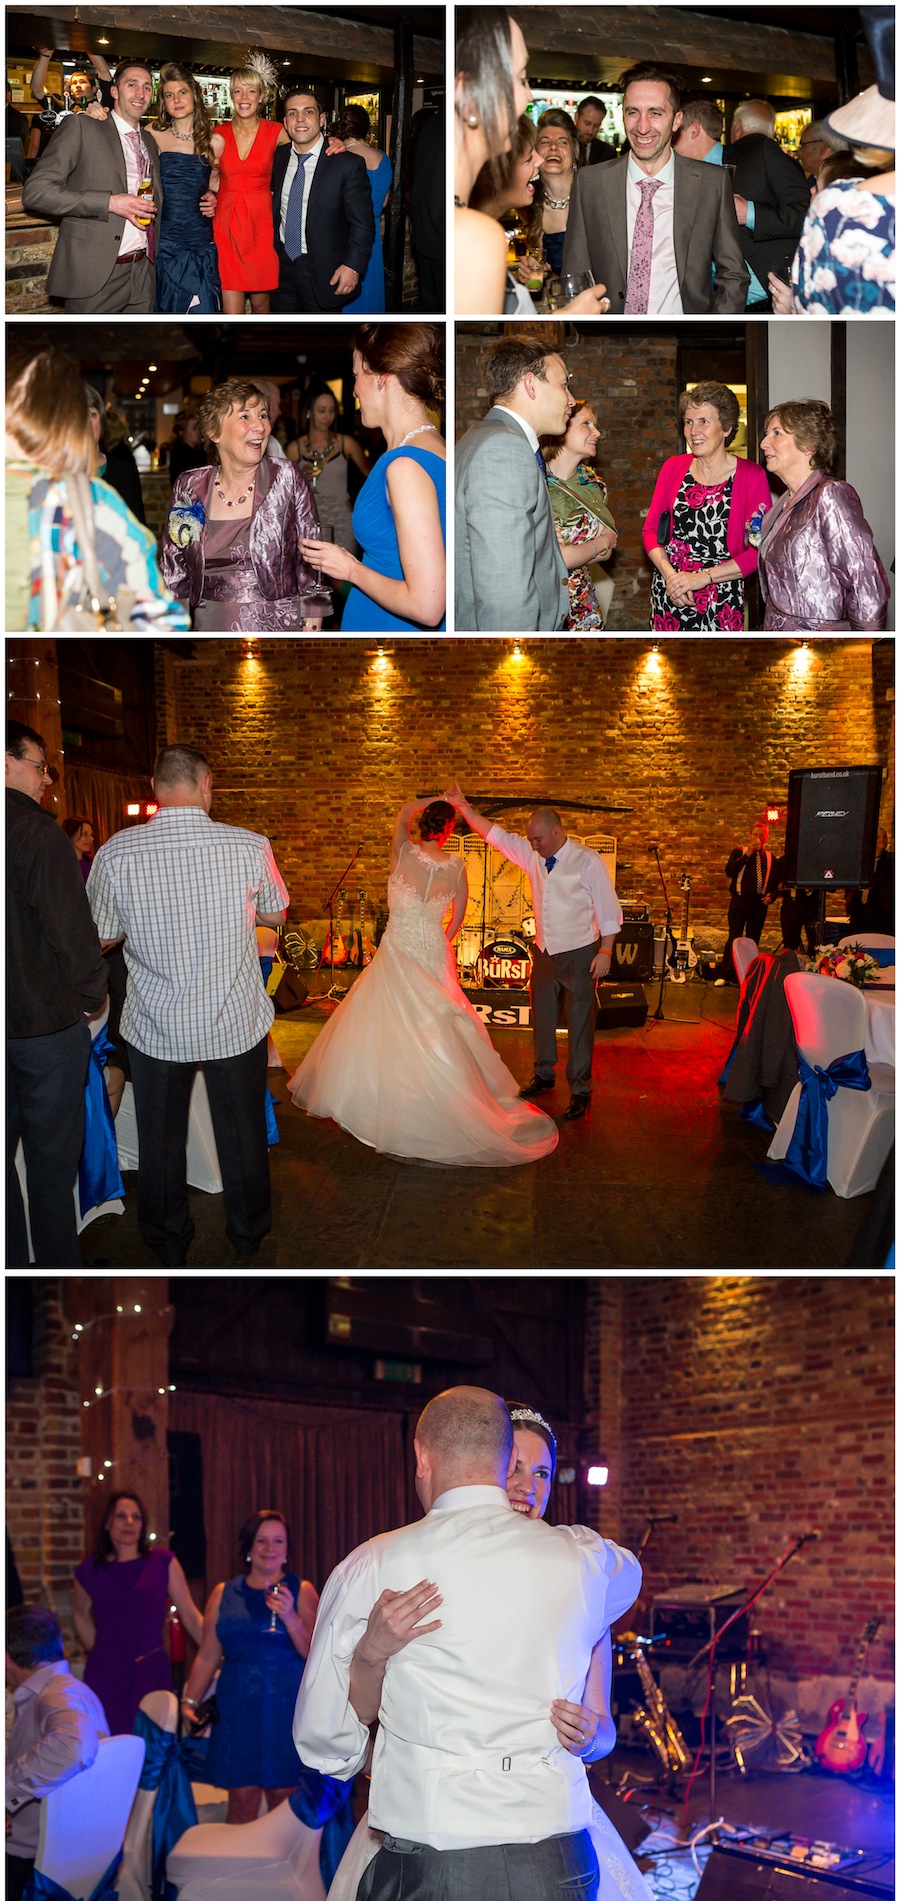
(273, 1619)
(322, 590)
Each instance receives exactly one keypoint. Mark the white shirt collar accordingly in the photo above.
(636, 176)
(314, 150)
(39, 1680)
(526, 426)
(122, 126)
(459, 1498)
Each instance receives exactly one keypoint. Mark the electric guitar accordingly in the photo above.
(683, 959)
(341, 953)
(842, 1745)
(365, 946)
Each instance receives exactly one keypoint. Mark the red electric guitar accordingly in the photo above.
(842, 1745)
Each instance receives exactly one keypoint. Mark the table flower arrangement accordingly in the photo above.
(851, 963)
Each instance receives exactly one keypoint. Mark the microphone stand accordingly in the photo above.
(334, 993)
(668, 937)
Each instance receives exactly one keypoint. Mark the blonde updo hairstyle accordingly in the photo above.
(256, 71)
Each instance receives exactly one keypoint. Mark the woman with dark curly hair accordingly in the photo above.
(399, 585)
(818, 564)
(233, 540)
(120, 1596)
(187, 268)
(406, 1065)
(702, 528)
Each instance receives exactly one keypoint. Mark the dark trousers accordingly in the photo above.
(19, 1871)
(236, 1086)
(295, 287)
(569, 973)
(746, 918)
(45, 1077)
(562, 1868)
(431, 282)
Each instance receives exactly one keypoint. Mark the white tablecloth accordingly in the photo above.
(880, 1019)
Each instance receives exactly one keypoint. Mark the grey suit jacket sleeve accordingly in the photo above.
(576, 256)
(48, 194)
(732, 275)
(503, 492)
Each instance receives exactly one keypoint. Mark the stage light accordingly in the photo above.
(597, 1474)
(802, 655)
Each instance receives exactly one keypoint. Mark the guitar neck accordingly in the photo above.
(859, 1660)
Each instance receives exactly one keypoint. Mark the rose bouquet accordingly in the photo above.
(851, 963)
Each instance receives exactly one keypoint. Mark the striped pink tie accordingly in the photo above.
(637, 296)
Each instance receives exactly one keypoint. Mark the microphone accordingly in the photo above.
(653, 844)
(806, 1537)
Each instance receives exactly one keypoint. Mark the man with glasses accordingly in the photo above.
(815, 145)
(55, 977)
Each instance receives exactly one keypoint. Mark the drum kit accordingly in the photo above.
(496, 963)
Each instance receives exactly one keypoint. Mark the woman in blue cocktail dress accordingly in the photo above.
(399, 583)
(187, 267)
(353, 128)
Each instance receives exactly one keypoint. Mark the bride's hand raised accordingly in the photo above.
(454, 794)
(395, 1620)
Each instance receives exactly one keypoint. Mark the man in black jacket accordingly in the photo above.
(753, 875)
(771, 198)
(322, 210)
(55, 976)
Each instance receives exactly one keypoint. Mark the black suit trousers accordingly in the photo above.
(236, 1086)
(45, 1078)
(561, 1866)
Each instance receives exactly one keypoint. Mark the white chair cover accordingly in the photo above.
(276, 1858)
(743, 950)
(82, 1824)
(202, 1154)
(829, 1019)
(133, 1883)
(867, 939)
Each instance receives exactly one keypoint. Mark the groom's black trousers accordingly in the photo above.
(563, 1865)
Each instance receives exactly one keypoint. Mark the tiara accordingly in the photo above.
(520, 1415)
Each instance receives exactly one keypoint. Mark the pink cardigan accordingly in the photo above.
(750, 491)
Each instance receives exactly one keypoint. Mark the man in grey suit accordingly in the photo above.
(510, 574)
(103, 259)
(652, 225)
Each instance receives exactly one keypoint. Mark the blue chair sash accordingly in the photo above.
(807, 1156)
(174, 1809)
(755, 1113)
(43, 1887)
(272, 1135)
(324, 1802)
(99, 1178)
(883, 954)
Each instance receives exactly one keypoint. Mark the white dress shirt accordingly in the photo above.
(575, 903)
(289, 176)
(57, 1725)
(134, 238)
(185, 892)
(523, 425)
(665, 295)
(466, 1755)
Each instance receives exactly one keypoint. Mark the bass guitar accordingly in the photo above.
(683, 959)
(842, 1745)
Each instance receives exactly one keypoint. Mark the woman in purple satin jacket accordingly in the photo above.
(818, 564)
(231, 546)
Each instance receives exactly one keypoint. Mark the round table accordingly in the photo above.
(880, 1018)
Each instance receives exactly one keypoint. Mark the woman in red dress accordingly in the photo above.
(248, 264)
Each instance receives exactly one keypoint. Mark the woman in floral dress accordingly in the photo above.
(585, 527)
(702, 528)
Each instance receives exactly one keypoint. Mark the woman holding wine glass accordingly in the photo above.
(257, 1630)
(324, 454)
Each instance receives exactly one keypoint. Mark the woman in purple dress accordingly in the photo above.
(119, 1603)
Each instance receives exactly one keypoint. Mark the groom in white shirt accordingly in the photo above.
(477, 1797)
(575, 905)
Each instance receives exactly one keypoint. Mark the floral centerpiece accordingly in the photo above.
(851, 963)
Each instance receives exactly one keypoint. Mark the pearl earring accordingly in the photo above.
(472, 119)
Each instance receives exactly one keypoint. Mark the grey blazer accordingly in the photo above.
(510, 575)
(706, 232)
(72, 184)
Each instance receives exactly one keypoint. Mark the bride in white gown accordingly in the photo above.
(584, 1729)
(405, 1064)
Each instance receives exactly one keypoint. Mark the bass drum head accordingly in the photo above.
(506, 963)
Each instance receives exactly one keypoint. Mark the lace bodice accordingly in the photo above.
(421, 890)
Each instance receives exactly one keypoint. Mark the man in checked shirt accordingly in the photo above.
(57, 1726)
(186, 894)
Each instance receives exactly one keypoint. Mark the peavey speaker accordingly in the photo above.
(792, 1868)
(620, 1006)
(292, 991)
(832, 824)
(633, 953)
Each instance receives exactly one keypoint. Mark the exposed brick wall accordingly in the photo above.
(45, 1512)
(317, 743)
(755, 1408)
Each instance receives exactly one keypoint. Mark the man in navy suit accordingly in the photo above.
(322, 210)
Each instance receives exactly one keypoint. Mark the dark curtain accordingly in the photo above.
(339, 1475)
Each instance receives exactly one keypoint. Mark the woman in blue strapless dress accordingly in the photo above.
(187, 267)
(400, 583)
(353, 128)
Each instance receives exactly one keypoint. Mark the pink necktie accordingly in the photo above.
(143, 164)
(637, 295)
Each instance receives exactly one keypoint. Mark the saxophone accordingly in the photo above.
(656, 1722)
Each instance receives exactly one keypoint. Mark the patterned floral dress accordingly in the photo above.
(698, 539)
(845, 262)
(577, 517)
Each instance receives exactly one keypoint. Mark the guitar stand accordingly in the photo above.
(668, 938)
(336, 993)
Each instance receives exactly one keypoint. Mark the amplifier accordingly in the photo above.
(633, 952)
(793, 1869)
(689, 1623)
(620, 1006)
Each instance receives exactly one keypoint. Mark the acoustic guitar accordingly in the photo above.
(842, 1745)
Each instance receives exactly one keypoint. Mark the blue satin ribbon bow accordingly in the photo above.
(807, 1156)
(44, 1888)
(322, 1800)
(174, 1809)
(99, 1178)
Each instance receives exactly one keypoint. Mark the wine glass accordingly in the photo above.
(322, 590)
(272, 1624)
(571, 283)
(313, 463)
